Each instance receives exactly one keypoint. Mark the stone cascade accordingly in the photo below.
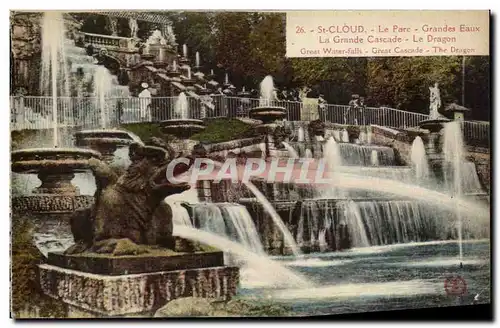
(323, 219)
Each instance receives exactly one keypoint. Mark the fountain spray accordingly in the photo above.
(53, 66)
(453, 152)
(197, 59)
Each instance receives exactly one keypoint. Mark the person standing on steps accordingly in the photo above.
(353, 110)
(362, 109)
(321, 107)
(145, 103)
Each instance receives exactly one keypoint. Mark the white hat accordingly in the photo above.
(144, 85)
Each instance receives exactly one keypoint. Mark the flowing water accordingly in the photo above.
(54, 76)
(336, 135)
(374, 158)
(289, 240)
(102, 86)
(384, 278)
(300, 136)
(272, 274)
(453, 149)
(345, 136)
(67, 70)
(292, 153)
(397, 188)
(231, 221)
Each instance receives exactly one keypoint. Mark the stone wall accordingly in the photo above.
(402, 142)
(96, 295)
(481, 158)
(25, 48)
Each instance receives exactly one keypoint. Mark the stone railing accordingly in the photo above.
(36, 113)
(108, 41)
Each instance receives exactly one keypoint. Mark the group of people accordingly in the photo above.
(353, 114)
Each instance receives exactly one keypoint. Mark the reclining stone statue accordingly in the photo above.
(129, 213)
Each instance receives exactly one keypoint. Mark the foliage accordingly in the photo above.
(196, 30)
(224, 129)
(145, 130)
(251, 45)
(26, 291)
(217, 130)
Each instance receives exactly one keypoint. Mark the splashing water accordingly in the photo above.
(181, 106)
(102, 83)
(336, 135)
(355, 225)
(266, 90)
(197, 61)
(369, 136)
(289, 240)
(419, 159)
(345, 136)
(300, 135)
(242, 226)
(429, 196)
(453, 149)
(276, 275)
(291, 152)
(362, 137)
(332, 155)
(54, 77)
(374, 158)
(396, 288)
(181, 215)
(333, 161)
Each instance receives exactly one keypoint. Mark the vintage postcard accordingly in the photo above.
(249, 164)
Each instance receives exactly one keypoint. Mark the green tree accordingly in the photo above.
(197, 31)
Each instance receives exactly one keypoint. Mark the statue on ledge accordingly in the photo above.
(129, 213)
(435, 101)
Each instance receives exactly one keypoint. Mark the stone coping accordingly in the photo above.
(50, 204)
(96, 295)
(135, 264)
(108, 133)
(230, 145)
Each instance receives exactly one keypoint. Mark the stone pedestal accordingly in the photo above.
(434, 146)
(116, 293)
(51, 204)
(56, 183)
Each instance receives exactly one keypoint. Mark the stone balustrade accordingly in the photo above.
(109, 41)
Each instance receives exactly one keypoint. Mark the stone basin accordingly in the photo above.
(105, 141)
(182, 128)
(268, 114)
(116, 134)
(433, 125)
(56, 167)
(35, 160)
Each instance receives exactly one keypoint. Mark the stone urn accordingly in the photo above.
(105, 142)
(182, 128)
(268, 114)
(55, 167)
